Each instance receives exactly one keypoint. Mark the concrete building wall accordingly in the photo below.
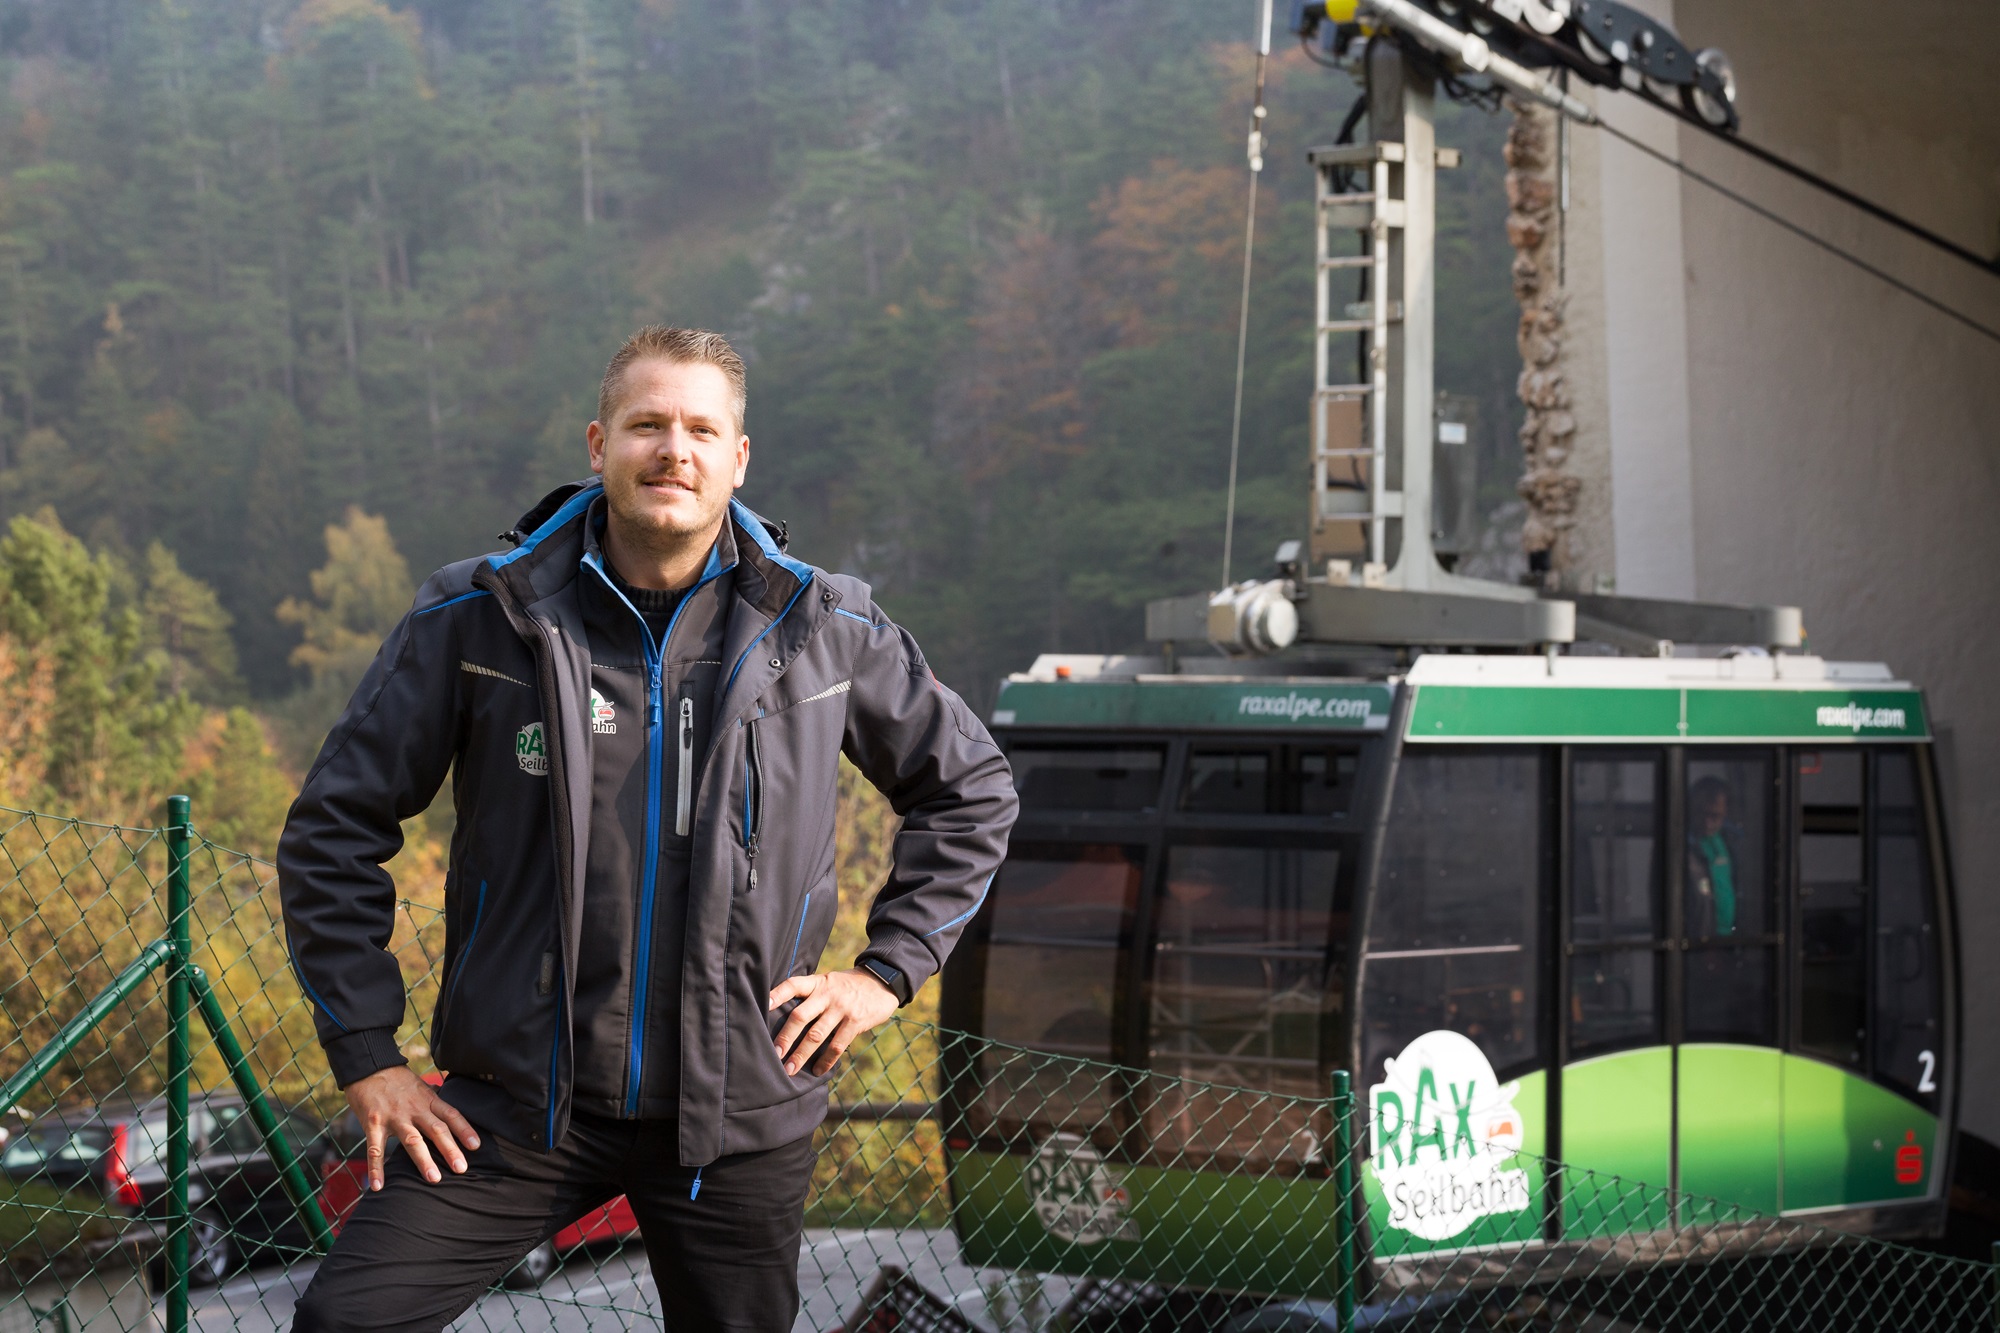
(1645, 347)
(1784, 427)
(1590, 561)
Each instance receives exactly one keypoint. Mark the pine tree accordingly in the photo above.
(358, 595)
(186, 635)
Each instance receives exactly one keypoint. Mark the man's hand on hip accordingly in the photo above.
(834, 1008)
(394, 1103)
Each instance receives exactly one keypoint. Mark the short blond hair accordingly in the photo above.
(698, 347)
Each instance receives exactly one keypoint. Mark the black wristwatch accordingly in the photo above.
(888, 976)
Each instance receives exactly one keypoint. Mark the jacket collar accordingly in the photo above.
(781, 604)
(776, 610)
(565, 527)
(721, 556)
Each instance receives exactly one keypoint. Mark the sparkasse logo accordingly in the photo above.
(530, 752)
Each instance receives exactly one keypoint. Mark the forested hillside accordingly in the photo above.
(265, 262)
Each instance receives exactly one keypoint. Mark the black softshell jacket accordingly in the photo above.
(487, 680)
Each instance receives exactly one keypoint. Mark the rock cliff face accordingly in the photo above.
(1549, 429)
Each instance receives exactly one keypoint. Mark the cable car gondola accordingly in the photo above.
(1681, 921)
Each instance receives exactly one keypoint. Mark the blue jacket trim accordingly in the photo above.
(737, 669)
(799, 938)
(968, 915)
(750, 523)
(712, 569)
(313, 995)
(863, 619)
(573, 506)
(709, 571)
(465, 950)
(462, 597)
(555, 1051)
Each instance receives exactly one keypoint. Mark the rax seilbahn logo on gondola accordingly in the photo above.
(1075, 1195)
(1444, 1130)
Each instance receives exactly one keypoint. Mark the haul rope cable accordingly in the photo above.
(1771, 215)
(1986, 264)
(1477, 57)
(1256, 151)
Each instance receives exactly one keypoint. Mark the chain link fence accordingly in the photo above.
(961, 1183)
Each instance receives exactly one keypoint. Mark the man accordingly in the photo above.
(642, 707)
(1711, 862)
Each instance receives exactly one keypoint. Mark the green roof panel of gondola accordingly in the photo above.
(1463, 698)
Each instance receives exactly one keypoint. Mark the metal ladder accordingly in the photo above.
(1356, 480)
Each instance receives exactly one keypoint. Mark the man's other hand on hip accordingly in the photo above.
(834, 1008)
(394, 1103)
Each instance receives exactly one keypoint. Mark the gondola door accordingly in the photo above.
(1728, 1070)
(1865, 1085)
(1671, 1075)
(1617, 1071)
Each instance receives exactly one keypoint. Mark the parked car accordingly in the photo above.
(240, 1208)
(344, 1176)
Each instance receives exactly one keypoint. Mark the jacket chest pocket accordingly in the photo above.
(753, 797)
(790, 771)
(689, 698)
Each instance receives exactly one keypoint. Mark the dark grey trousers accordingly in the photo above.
(416, 1255)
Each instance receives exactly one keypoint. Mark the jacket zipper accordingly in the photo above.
(649, 865)
(684, 775)
(753, 798)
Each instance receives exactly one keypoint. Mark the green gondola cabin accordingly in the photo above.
(1679, 921)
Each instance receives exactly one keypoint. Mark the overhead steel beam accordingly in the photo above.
(1333, 613)
(1695, 622)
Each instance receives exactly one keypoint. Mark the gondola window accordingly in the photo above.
(1908, 1029)
(1085, 778)
(1617, 907)
(1239, 996)
(1453, 942)
(1269, 780)
(1727, 900)
(1833, 906)
(1051, 946)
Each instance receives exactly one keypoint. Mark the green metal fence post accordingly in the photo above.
(179, 1064)
(1343, 1184)
(38, 1066)
(303, 1199)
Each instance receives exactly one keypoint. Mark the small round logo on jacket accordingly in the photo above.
(603, 717)
(530, 752)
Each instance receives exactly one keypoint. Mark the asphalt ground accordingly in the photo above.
(604, 1288)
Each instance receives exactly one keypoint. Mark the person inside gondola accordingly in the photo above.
(1712, 858)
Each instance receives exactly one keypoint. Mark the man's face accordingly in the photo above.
(673, 452)
(1714, 814)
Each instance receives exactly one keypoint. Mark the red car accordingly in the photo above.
(343, 1175)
